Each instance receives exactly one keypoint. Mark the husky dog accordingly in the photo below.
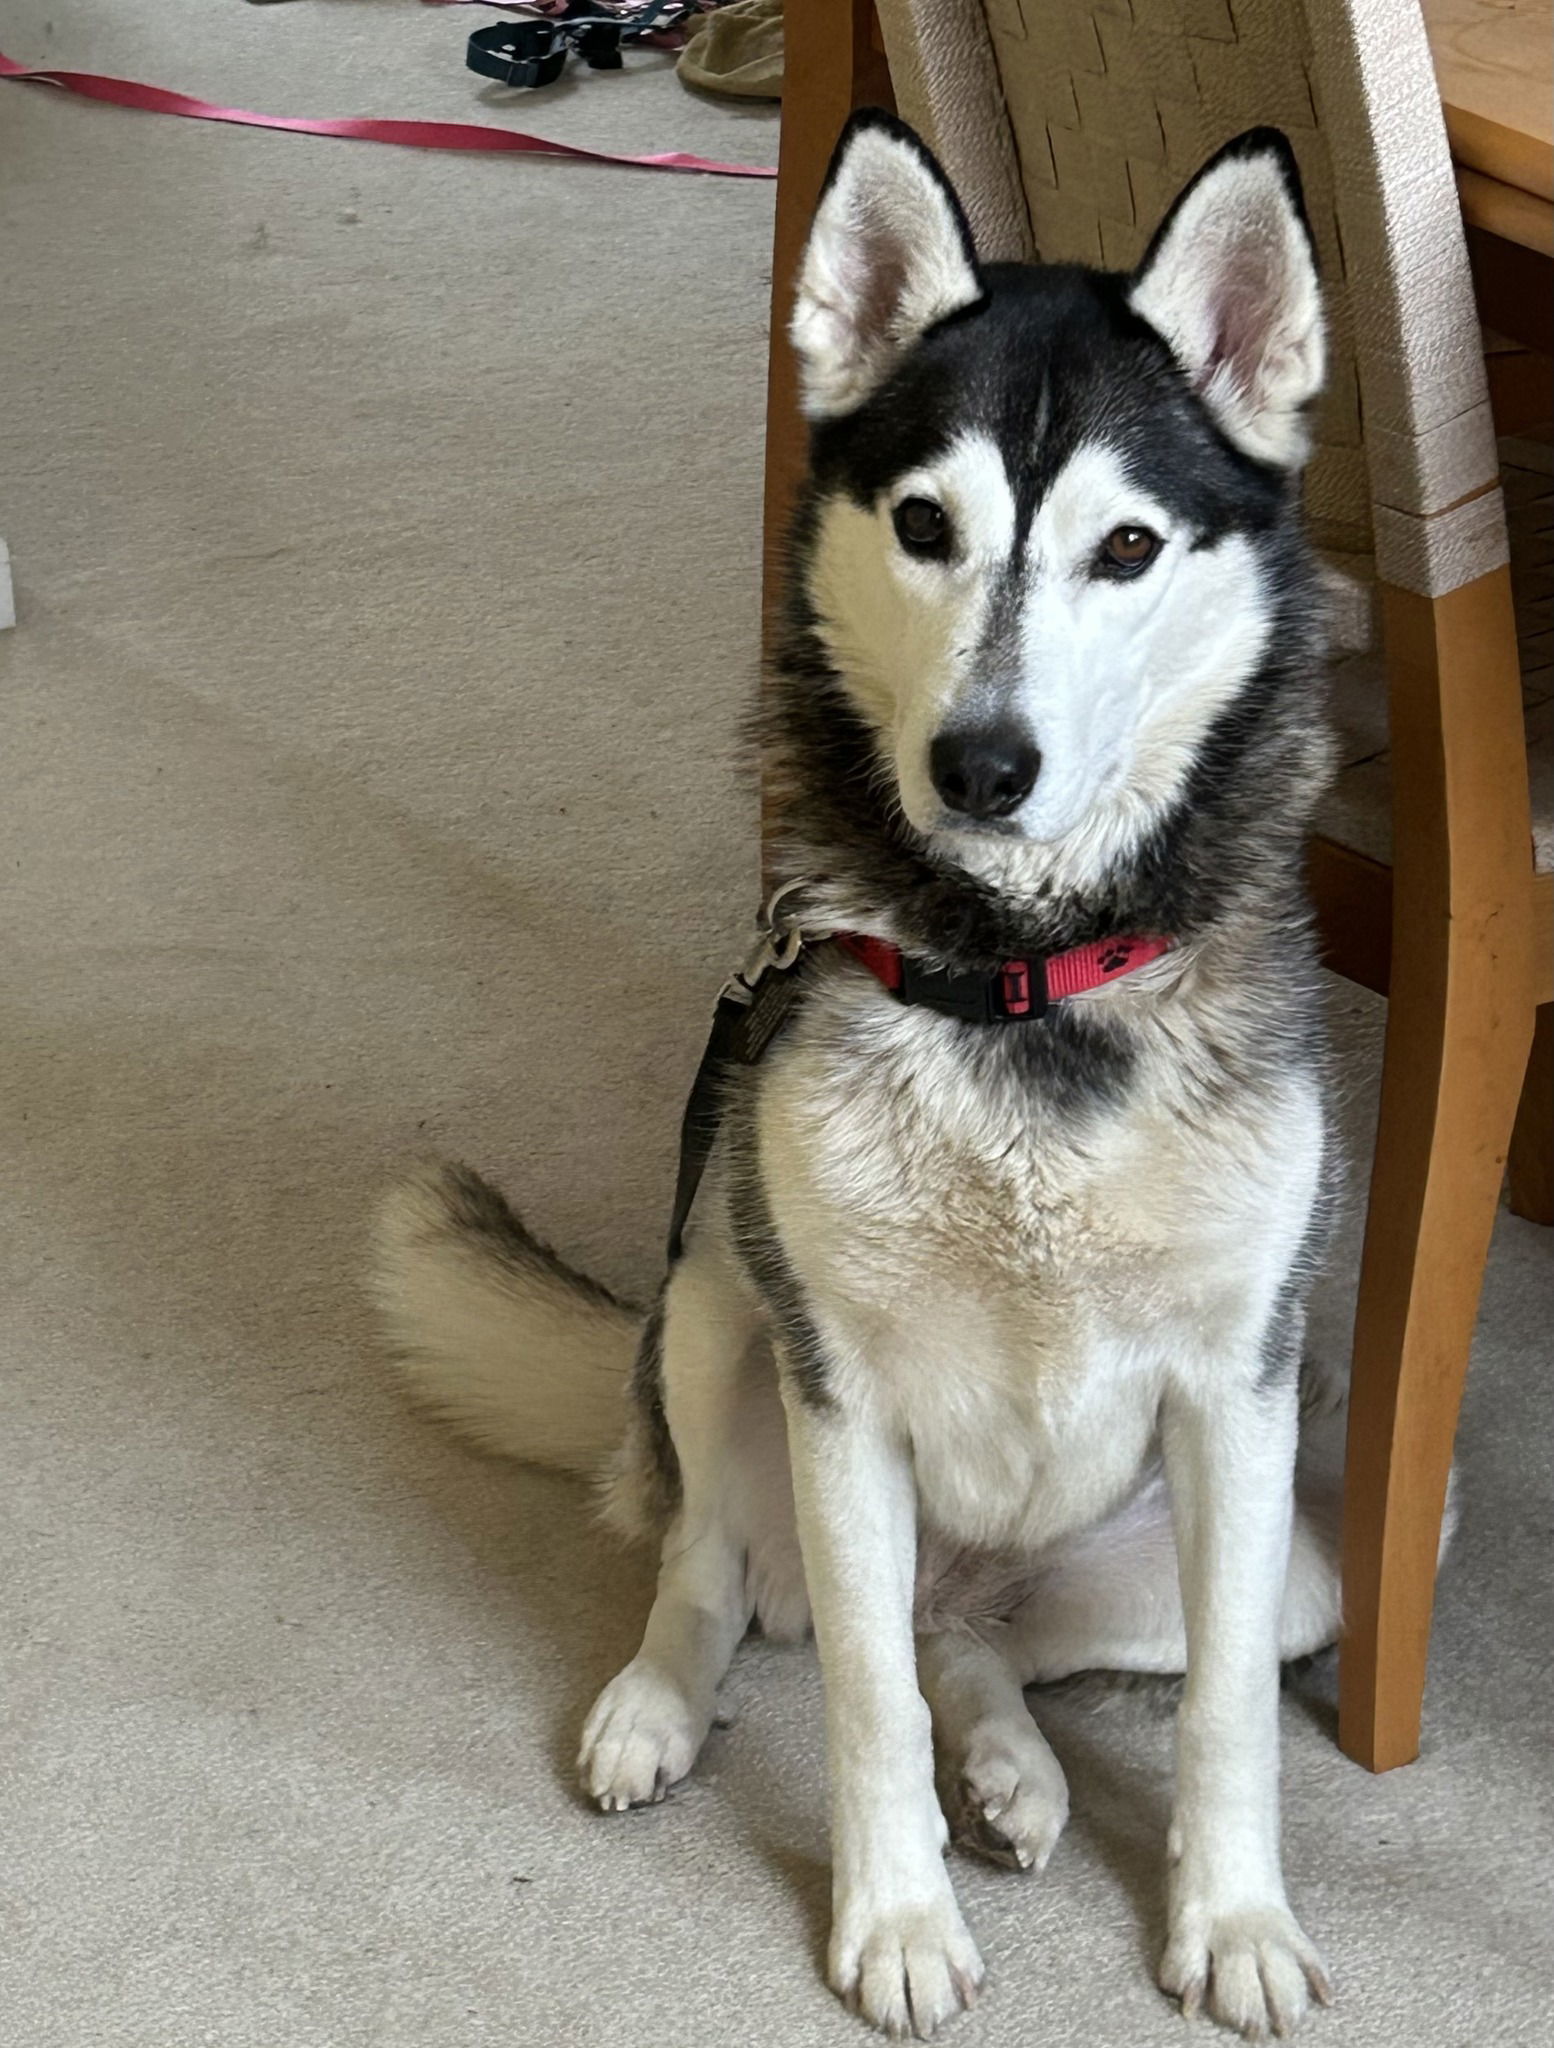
(985, 1347)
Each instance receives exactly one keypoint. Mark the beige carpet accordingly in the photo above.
(385, 535)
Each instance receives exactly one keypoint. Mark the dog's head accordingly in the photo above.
(1044, 496)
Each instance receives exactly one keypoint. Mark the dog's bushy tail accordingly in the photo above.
(492, 1333)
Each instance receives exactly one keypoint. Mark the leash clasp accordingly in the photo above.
(777, 948)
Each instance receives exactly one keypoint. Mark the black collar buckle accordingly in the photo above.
(1014, 996)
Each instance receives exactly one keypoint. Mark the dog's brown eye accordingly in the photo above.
(921, 526)
(1127, 549)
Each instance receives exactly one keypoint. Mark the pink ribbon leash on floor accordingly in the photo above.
(469, 135)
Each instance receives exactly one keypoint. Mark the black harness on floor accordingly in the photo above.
(536, 52)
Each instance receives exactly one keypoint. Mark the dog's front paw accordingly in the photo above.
(642, 1736)
(1008, 1798)
(906, 1968)
(1252, 1969)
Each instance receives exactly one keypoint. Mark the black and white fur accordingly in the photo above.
(985, 1349)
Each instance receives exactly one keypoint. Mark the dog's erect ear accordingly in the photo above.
(1230, 282)
(888, 255)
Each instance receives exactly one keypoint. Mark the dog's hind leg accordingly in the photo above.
(1002, 1790)
(724, 1547)
(1110, 1599)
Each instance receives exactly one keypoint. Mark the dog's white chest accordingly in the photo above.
(1016, 1295)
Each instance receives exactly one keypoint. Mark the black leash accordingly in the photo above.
(753, 1007)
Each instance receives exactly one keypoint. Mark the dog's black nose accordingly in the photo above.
(985, 772)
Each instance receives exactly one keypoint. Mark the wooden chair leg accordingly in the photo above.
(1532, 1142)
(833, 63)
(1459, 1024)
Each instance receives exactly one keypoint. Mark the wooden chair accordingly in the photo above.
(1068, 125)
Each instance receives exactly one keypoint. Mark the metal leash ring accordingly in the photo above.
(777, 948)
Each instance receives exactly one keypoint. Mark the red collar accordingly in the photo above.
(1021, 989)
